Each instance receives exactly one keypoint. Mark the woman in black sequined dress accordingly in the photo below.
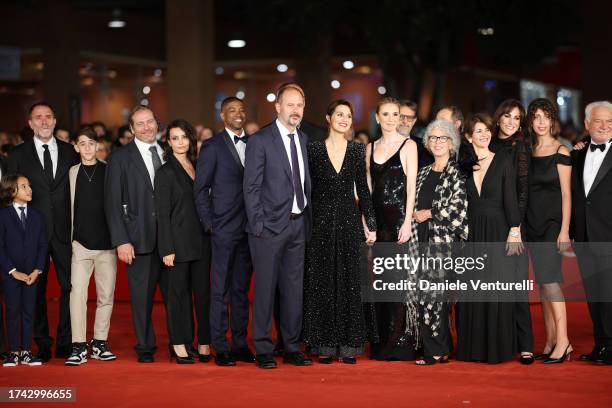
(392, 167)
(334, 317)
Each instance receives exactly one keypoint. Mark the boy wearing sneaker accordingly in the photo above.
(23, 252)
(92, 252)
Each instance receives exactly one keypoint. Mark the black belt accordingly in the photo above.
(294, 216)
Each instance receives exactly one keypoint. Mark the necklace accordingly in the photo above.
(89, 178)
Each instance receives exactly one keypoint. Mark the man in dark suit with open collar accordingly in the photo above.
(592, 225)
(220, 202)
(277, 197)
(45, 161)
(130, 213)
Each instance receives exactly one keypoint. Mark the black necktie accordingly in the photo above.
(47, 164)
(156, 160)
(240, 139)
(594, 147)
(22, 217)
(295, 170)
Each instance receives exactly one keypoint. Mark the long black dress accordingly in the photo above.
(544, 221)
(486, 331)
(389, 198)
(334, 317)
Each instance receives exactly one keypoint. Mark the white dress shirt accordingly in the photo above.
(40, 150)
(287, 142)
(592, 163)
(240, 146)
(143, 148)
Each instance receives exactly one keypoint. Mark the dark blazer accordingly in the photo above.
(591, 220)
(3, 165)
(179, 230)
(218, 187)
(19, 249)
(129, 200)
(268, 183)
(51, 200)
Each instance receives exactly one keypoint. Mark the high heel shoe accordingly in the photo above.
(544, 356)
(326, 360)
(527, 359)
(567, 355)
(179, 359)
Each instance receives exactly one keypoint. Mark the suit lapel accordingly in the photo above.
(62, 164)
(303, 144)
(231, 146)
(139, 163)
(184, 180)
(17, 220)
(280, 149)
(606, 165)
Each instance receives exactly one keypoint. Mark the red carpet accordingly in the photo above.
(125, 383)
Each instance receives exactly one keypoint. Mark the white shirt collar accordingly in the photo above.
(232, 133)
(16, 206)
(39, 144)
(283, 130)
(144, 147)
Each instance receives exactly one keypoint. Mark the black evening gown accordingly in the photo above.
(389, 199)
(544, 221)
(486, 331)
(335, 320)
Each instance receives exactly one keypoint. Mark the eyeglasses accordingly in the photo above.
(407, 117)
(441, 139)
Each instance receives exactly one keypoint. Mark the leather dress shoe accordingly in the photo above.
(244, 354)
(279, 349)
(204, 358)
(225, 359)
(63, 352)
(265, 361)
(349, 360)
(296, 358)
(145, 357)
(595, 356)
(44, 354)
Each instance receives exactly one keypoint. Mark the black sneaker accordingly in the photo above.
(11, 361)
(27, 358)
(101, 351)
(78, 355)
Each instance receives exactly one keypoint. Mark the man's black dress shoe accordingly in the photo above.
(225, 359)
(326, 360)
(595, 356)
(279, 350)
(244, 354)
(265, 361)
(349, 360)
(62, 352)
(204, 358)
(296, 358)
(44, 354)
(145, 357)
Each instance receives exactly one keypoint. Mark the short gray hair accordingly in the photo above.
(448, 129)
(597, 104)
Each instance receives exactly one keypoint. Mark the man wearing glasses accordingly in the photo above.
(408, 117)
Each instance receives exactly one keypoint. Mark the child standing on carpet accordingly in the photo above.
(23, 251)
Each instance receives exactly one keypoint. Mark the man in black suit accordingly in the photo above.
(592, 225)
(45, 161)
(220, 202)
(277, 197)
(130, 213)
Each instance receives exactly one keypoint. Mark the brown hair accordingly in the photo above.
(137, 109)
(387, 100)
(551, 112)
(286, 86)
(8, 188)
(505, 108)
(88, 132)
(191, 135)
(39, 104)
(334, 104)
(476, 118)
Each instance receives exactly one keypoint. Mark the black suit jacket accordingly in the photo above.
(130, 200)
(591, 219)
(19, 249)
(268, 185)
(52, 200)
(179, 230)
(3, 165)
(218, 187)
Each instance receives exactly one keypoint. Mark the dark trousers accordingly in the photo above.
(61, 253)
(187, 281)
(3, 343)
(522, 312)
(144, 275)
(278, 260)
(20, 306)
(277, 320)
(596, 274)
(436, 345)
(231, 280)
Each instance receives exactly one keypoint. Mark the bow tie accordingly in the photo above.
(594, 147)
(240, 139)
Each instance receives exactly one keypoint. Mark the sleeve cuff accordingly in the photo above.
(12, 270)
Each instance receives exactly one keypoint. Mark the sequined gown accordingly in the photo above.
(389, 200)
(335, 322)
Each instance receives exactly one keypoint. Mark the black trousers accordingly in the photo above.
(596, 271)
(61, 253)
(278, 260)
(3, 340)
(436, 345)
(187, 281)
(144, 275)
(522, 312)
(20, 306)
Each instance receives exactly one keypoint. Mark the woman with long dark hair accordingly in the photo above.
(334, 321)
(183, 245)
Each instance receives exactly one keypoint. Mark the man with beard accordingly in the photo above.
(408, 117)
(220, 203)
